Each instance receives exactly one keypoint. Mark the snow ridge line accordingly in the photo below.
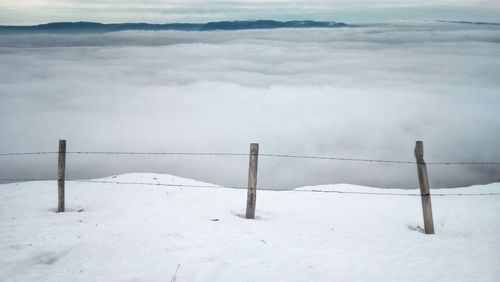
(268, 189)
(246, 154)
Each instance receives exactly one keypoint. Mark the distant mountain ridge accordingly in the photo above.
(95, 27)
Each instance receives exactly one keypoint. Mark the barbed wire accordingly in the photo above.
(375, 160)
(27, 179)
(335, 158)
(157, 184)
(259, 188)
(463, 163)
(159, 153)
(246, 154)
(26, 153)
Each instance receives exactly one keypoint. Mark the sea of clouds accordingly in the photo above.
(364, 92)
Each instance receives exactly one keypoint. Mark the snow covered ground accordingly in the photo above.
(147, 233)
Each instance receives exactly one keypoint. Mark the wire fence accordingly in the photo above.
(244, 188)
(421, 165)
(286, 156)
(246, 154)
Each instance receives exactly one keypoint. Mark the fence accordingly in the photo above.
(254, 155)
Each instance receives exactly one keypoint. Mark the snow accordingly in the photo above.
(144, 233)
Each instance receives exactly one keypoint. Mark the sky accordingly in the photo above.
(24, 12)
(365, 92)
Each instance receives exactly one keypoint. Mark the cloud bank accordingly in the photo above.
(359, 92)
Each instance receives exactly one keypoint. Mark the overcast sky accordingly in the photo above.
(18, 12)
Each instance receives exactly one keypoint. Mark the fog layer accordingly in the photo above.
(367, 92)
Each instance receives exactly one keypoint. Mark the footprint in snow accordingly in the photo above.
(47, 258)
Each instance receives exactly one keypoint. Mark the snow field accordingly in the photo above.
(143, 233)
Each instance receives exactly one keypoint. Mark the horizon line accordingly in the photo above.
(248, 21)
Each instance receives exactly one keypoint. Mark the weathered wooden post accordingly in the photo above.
(61, 168)
(424, 188)
(252, 181)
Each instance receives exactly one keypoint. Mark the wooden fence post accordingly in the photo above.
(61, 168)
(424, 188)
(252, 181)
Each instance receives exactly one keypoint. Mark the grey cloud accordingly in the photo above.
(361, 92)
